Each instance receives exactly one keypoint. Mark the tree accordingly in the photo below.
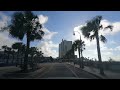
(13, 55)
(4, 47)
(8, 51)
(39, 56)
(25, 24)
(69, 54)
(80, 45)
(18, 46)
(73, 49)
(51, 59)
(110, 59)
(33, 52)
(95, 26)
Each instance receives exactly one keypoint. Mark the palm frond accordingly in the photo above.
(92, 25)
(109, 27)
(101, 27)
(103, 39)
(18, 46)
(92, 37)
(85, 31)
(23, 23)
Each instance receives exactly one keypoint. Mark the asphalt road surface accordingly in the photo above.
(47, 71)
(62, 71)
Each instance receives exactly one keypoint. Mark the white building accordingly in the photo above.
(64, 46)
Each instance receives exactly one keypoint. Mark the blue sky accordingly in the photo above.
(63, 23)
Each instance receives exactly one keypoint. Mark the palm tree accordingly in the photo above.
(4, 47)
(77, 46)
(95, 26)
(32, 52)
(25, 24)
(17, 46)
(73, 49)
(39, 54)
(13, 55)
(69, 54)
(80, 45)
(8, 51)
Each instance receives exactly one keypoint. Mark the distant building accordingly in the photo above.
(64, 46)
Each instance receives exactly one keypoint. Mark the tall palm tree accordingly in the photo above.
(77, 46)
(73, 49)
(8, 51)
(4, 47)
(95, 26)
(17, 46)
(69, 54)
(25, 24)
(39, 54)
(80, 45)
(32, 52)
(13, 55)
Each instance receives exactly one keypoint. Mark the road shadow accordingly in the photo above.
(18, 74)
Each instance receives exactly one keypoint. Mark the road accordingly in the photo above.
(49, 71)
(62, 71)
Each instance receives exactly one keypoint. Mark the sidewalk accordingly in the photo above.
(12, 72)
(95, 71)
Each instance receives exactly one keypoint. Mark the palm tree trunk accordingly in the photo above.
(73, 54)
(82, 59)
(99, 55)
(17, 61)
(7, 59)
(79, 57)
(26, 54)
(13, 58)
(79, 53)
(4, 55)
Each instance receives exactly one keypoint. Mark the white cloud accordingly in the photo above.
(112, 42)
(4, 36)
(48, 35)
(117, 48)
(3, 20)
(43, 19)
(47, 46)
(6, 40)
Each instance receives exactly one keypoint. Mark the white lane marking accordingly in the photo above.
(72, 71)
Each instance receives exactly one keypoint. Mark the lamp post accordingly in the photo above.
(80, 58)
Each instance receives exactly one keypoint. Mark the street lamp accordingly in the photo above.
(81, 56)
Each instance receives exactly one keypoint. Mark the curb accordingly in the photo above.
(88, 72)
